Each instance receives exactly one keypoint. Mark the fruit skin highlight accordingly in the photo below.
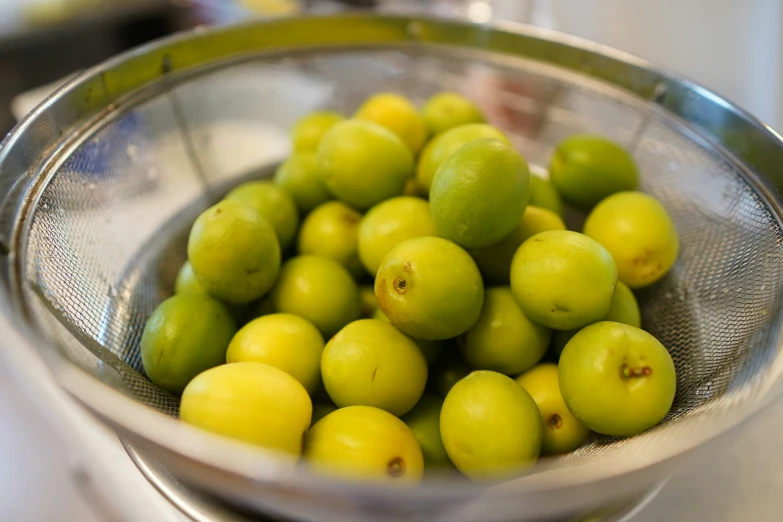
(371, 363)
(563, 279)
(228, 400)
(562, 431)
(429, 288)
(586, 168)
(617, 379)
(234, 252)
(185, 335)
(479, 194)
(364, 443)
(363, 163)
(491, 427)
(636, 229)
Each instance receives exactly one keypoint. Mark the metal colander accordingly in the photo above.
(103, 181)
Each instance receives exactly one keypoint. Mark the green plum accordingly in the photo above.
(562, 431)
(543, 194)
(494, 261)
(399, 115)
(308, 131)
(479, 193)
(300, 176)
(444, 145)
(491, 427)
(363, 163)
(585, 169)
(185, 335)
(319, 290)
(424, 422)
(234, 252)
(624, 309)
(563, 279)
(431, 350)
(504, 339)
(332, 231)
(447, 110)
(273, 203)
(390, 223)
(429, 288)
(617, 379)
(636, 229)
(371, 363)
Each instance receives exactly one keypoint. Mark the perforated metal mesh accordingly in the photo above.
(108, 233)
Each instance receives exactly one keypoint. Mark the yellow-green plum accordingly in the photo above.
(184, 336)
(273, 203)
(388, 224)
(447, 143)
(491, 427)
(479, 193)
(617, 379)
(319, 290)
(364, 443)
(429, 288)
(504, 339)
(371, 363)
(399, 115)
(562, 431)
(447, 110)
(308, 131)
(234, 252)
(332, 231)
(544, 194)
(563, 280)
(363, 163)
(300, 176)
(586, 168)
(636, 229)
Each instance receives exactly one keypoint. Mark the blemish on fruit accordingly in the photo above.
(400, 285)
(396, 468)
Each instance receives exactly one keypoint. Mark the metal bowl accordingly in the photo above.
(102, 181)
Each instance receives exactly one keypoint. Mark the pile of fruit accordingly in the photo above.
(400, 285)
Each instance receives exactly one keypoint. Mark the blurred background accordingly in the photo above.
(734, 47)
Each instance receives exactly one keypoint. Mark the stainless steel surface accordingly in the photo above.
(105, 177)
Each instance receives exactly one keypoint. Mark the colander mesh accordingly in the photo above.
(109, 231)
